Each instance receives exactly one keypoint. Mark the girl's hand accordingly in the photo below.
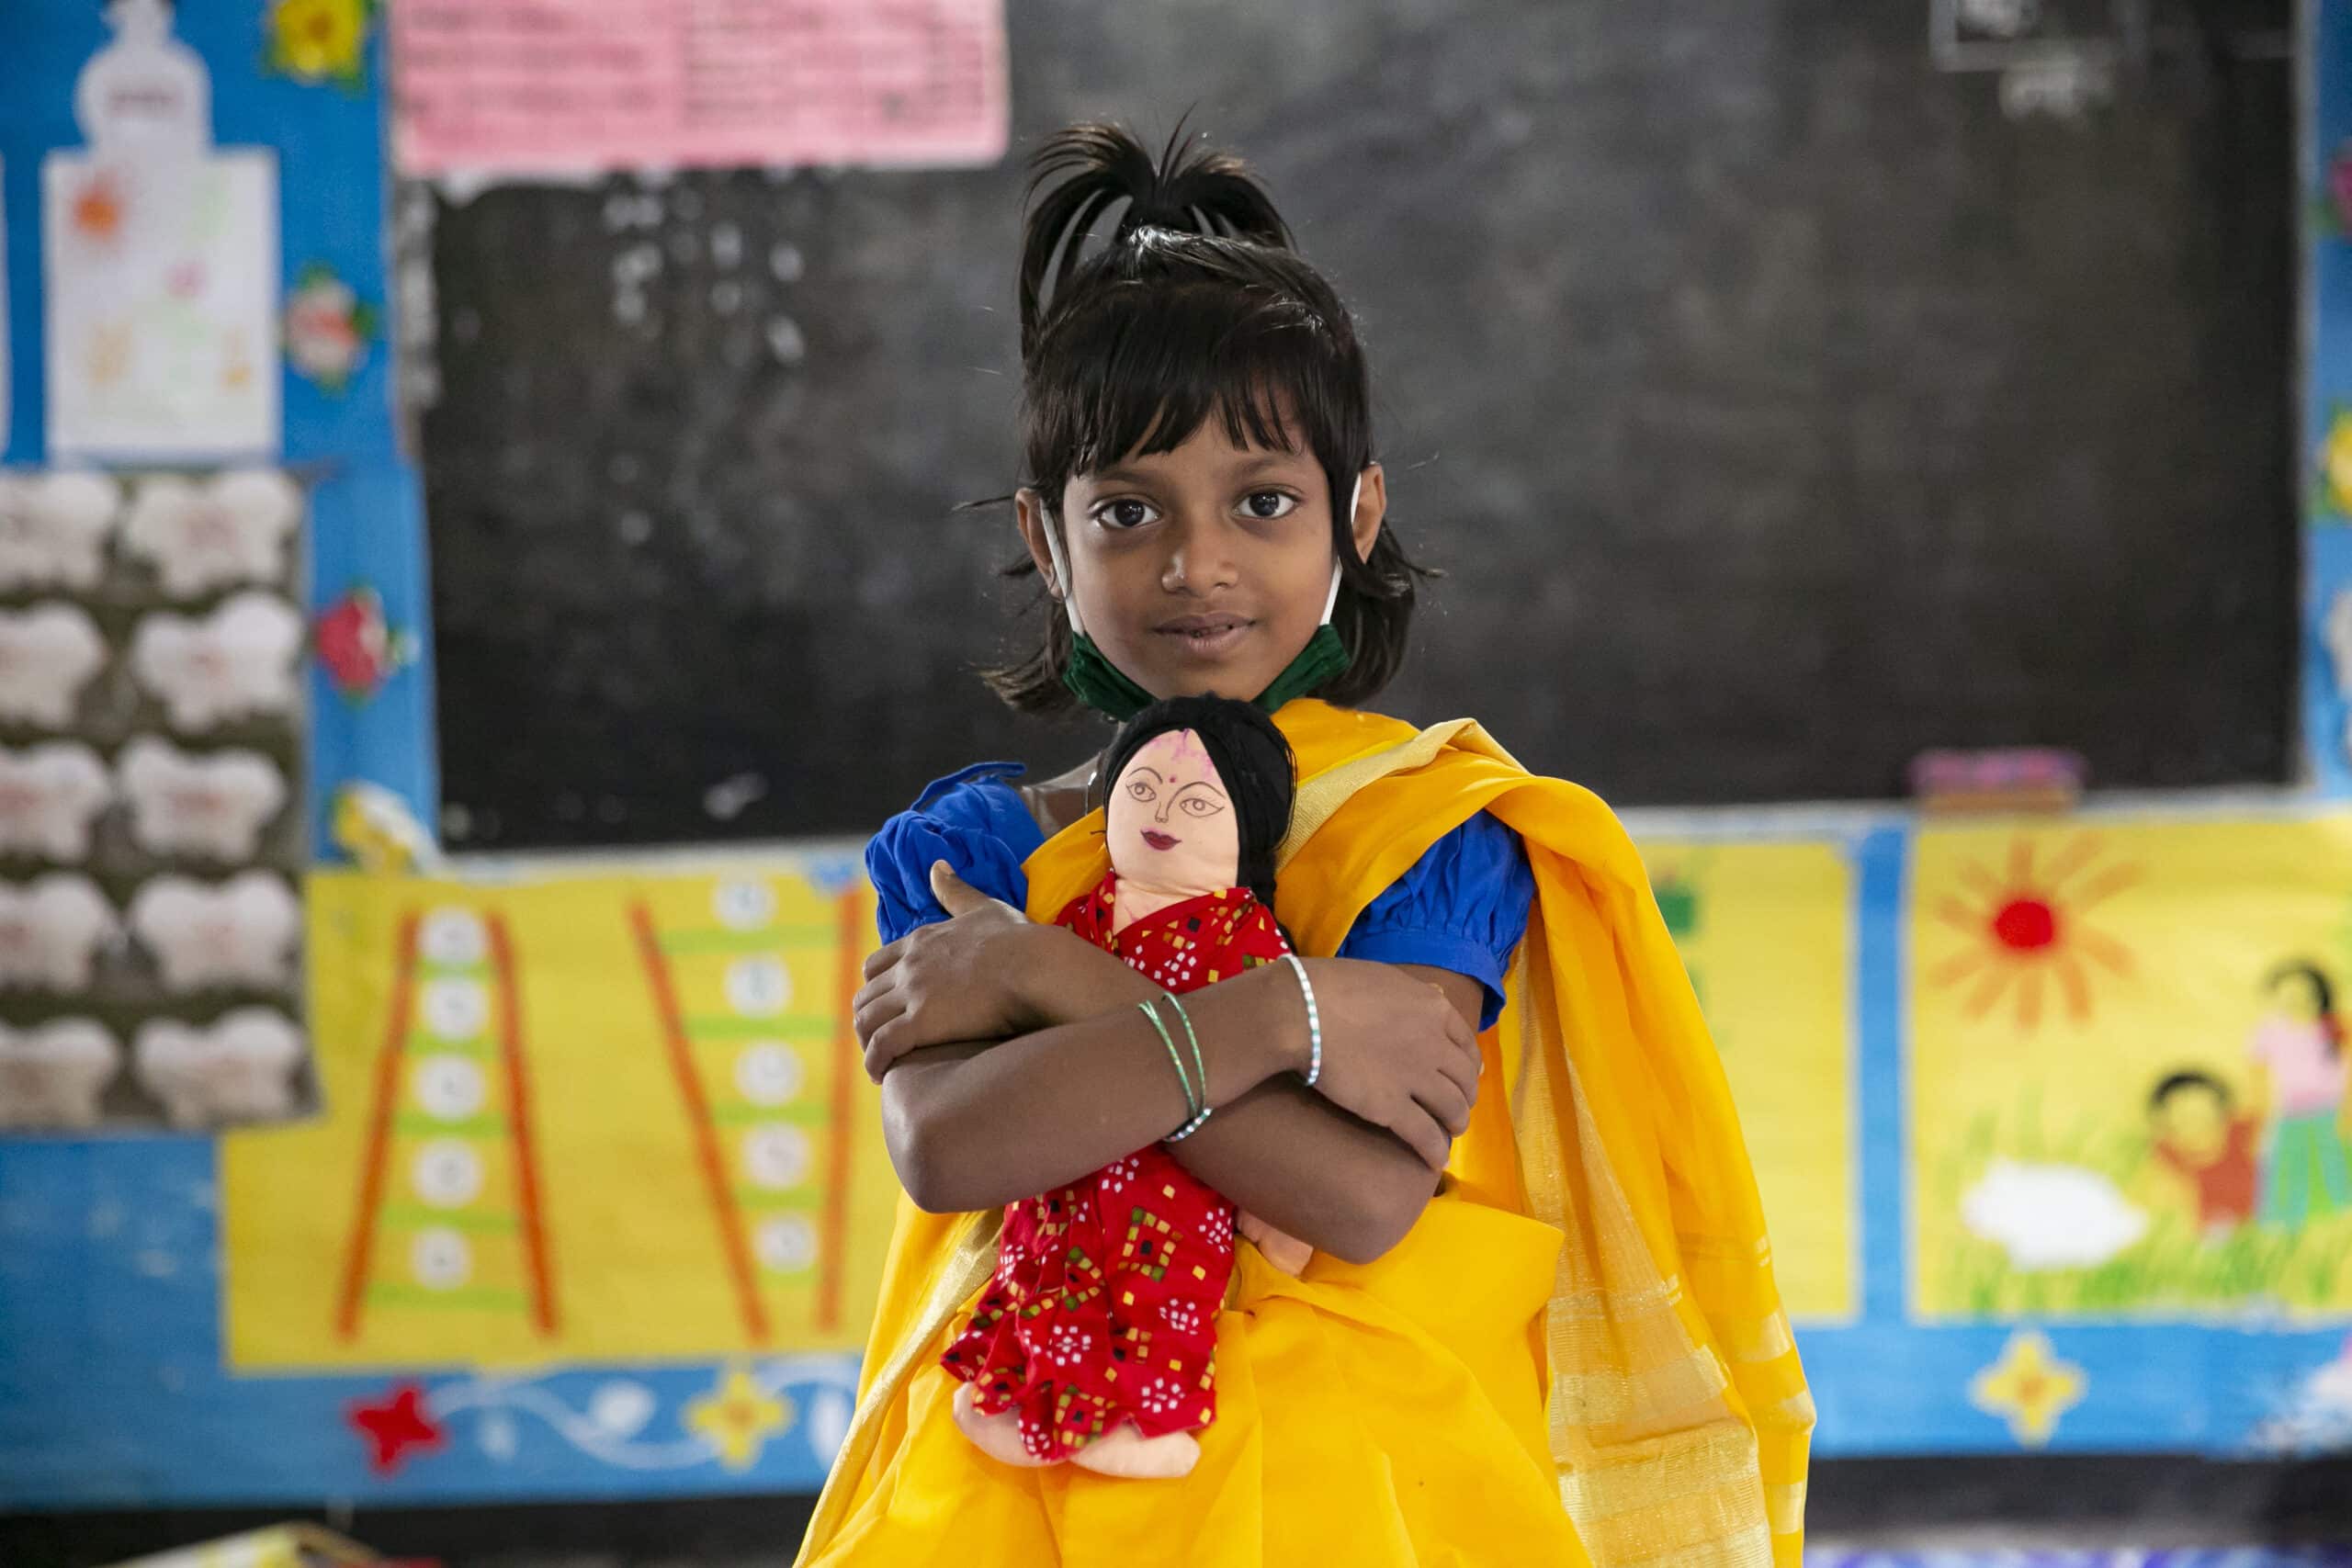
(969, 978)
(1395, 1053)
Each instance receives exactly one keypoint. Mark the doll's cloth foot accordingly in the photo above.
(997, 1435)
(1125, 1451)
(1286, 1253)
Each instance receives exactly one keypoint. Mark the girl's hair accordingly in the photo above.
(1197, 305)
(1252, 757)
(2322, 994)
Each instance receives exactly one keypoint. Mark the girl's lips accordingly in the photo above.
(1204, 636)
(1158, 841)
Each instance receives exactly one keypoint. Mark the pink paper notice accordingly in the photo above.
(523, 86)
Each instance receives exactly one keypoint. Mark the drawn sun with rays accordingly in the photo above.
(2026, 931)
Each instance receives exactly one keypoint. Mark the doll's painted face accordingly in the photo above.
(1170, 822)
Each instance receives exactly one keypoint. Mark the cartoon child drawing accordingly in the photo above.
(2197, 1134)
(2297, 1050)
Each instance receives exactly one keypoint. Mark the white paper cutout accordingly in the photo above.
(145, 97)
(53, 528)
(241, 932)
(52, 929)
(187, 802)
(231, 529)
(241, 1070)
(239, 660)
(48, 654)
(49, 793)
(162, 264)
(53, 1075)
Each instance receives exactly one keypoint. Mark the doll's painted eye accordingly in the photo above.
(1139, 790)
(1201, 805)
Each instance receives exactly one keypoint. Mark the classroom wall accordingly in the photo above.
(592, 1202)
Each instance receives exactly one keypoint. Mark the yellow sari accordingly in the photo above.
(1576, 1355)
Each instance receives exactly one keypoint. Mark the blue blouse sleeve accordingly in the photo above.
(1463, 907)
(974, 822)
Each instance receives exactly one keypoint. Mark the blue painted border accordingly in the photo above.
(2327, 378)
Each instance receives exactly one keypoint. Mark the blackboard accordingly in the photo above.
(1778, 407)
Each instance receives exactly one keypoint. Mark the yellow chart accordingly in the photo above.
(1766, 932)
(569, 1117)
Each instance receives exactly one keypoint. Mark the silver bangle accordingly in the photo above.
(1314, 1021)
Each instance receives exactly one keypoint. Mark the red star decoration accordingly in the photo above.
(395, 1426)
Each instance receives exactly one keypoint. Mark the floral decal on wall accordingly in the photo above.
(317, 41)
(327, 328)
(358, 647)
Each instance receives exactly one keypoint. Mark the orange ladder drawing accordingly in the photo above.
(450, 1216)
(768, 1088)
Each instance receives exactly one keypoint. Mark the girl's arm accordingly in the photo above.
(1088, 1080)
(1281, 1150)
(977, 1126)
(1303, 1165)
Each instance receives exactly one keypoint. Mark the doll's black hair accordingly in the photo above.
(1252, 757)
(1198, 306)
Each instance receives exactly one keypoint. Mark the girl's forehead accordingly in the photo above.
(1209, 449)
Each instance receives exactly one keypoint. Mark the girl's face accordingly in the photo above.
(1169, 823)
(1203, 569)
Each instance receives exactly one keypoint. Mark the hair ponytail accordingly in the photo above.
(1192, 189)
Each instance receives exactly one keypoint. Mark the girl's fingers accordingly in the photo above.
(879, 987)
(1445, 1104)
(882, 958)
(1462, 1072)
(1423, 1135)
(869, 1018)
(954, 895)
(882, 1051)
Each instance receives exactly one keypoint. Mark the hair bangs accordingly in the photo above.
(1140, 371)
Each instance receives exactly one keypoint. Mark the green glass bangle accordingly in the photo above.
(1175, 1058)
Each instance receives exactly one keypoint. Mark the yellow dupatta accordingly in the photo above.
(1678, 1411)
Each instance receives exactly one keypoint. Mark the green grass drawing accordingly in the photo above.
(2170, 1270)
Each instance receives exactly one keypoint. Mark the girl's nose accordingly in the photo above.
(1202, 560)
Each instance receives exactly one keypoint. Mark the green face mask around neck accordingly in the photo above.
(1102, 685)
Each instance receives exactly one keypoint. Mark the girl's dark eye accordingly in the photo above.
(1266, 505)
(1126, 514)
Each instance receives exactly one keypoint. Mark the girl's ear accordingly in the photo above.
(1029, 513)
(1372, 510)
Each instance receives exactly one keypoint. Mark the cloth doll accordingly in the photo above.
(1095, 1340)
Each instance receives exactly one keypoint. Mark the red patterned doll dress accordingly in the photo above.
(1104, 1305)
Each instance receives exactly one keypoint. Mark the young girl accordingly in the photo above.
(1538, 1324)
